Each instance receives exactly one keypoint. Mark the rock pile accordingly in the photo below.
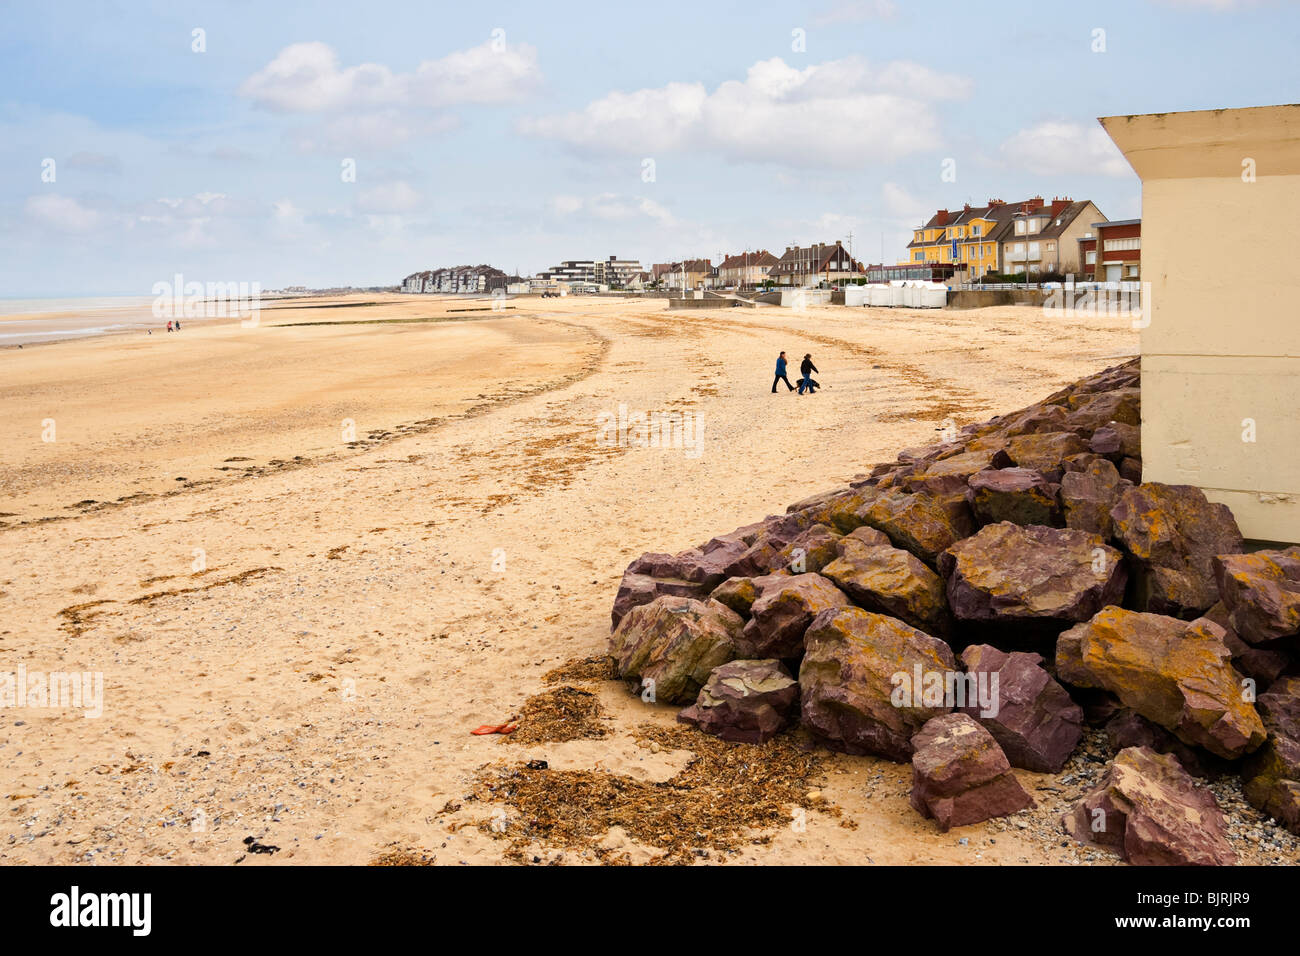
(1029, 549)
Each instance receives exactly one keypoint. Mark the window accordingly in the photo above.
(1122, 244)
(1020, 227)
(975, 229)
(1090, 258)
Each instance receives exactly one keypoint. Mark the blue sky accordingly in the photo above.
(519, 134)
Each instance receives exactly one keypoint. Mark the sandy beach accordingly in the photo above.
(299, 623)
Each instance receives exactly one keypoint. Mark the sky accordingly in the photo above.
(329, 144)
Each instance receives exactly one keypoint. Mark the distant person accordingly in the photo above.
(780, 374)
(169, 325)
(178, 325)
(806, 368)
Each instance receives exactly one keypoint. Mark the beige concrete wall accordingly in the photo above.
(1221, 352)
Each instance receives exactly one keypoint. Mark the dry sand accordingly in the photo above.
(363, 606)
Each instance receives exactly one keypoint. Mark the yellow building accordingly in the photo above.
(1030, 235)
(965, 238)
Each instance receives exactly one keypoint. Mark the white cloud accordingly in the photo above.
(612, 207)
(837, 114)
(1064, 148)
(899, 203)
(307, 78)
(62, 213)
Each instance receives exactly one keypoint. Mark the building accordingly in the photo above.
(913, 271)
(611, 273)
(457, 280)
(1120, 253)
(965, 239)
(617, 273)
(1220, 344)
(746, 270)
(811, 265)
(1000, 237)
(570, 270)
(1044, 238)
(689, 274)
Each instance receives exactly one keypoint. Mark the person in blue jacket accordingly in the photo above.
(780, 374)
(806, 380)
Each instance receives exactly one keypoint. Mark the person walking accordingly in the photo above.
(780, 374)
(806, 368)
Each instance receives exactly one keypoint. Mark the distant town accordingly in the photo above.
(1029, 241)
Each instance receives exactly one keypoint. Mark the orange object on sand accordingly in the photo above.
(496, 729)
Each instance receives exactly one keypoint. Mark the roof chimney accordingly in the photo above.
(941, 217)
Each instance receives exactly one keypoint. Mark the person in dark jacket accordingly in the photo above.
(780, 374)
(806, 368)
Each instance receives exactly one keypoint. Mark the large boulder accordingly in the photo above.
(1150, 810)
(1173, 535)
(638, 589)
(1088, 496)
(1176, 673)
(924, 524)
(811, 550)
(1128, 728)
(1097, 410)
(693, 565)
(676, 643)
(1007, 572)
(1261, 592)
(1117, 441)
(960, 775)
(762, 554)
(739, 594)
(1034, 720)
(783, 611)
(745, 701)
(891, 581)
(952, 473)
(1272, 773)
(1272, 776)
(840, 510)
(1045, 452)
(857, 682)
(1018, 495)
(1264, 662)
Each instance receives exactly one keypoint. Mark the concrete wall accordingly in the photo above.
(980, 298)
(1222, 348)
(709, 303)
